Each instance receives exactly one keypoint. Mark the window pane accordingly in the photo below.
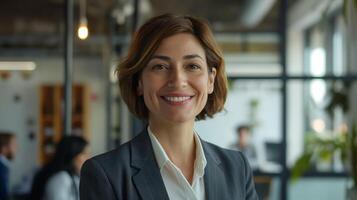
(339, 46)
(320, 114)
(320, 50)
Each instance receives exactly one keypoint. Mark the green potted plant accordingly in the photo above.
(320, 148)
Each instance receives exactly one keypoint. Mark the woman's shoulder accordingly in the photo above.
(232, 162)
(122, 154)
(60, 178)
(61, 175)
(113, 159)
(116, 155)
(225, 156)
(218, 149)
(115, 163)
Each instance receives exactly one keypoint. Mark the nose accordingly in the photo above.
(177, 78)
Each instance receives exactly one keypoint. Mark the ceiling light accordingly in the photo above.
(17, 66)
(83, 29)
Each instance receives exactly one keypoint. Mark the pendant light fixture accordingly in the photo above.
(83, 31)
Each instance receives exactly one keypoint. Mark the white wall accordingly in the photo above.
(13, 116)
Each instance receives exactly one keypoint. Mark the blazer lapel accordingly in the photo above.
(148, 180)
(213, 177)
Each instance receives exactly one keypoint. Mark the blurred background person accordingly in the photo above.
(245, 144)
(59, 179)
(8, 149)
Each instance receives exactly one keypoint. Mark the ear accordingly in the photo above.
(211, 78)
(139, 89)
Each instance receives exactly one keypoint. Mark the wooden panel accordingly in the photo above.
(51, 117)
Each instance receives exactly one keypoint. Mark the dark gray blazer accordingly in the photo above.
(131, 172)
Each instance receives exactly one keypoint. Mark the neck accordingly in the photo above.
(175, 139)
(179, 144)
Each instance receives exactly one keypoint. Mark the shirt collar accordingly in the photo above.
(160, 154)
(4, 160)
(162, 158)
(201, 161)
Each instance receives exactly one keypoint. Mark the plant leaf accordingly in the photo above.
(353, 148)
(301, 166)
(345, 11)
(325, 154)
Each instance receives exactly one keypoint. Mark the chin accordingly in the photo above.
(180, 119)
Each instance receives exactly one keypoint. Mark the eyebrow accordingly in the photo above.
(166, 58)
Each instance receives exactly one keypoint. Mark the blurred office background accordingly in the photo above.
(291, 64)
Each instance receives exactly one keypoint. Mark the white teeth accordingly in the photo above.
(177, 99)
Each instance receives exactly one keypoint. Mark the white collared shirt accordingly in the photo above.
(62, 186)
(4, 160)
(175, 182)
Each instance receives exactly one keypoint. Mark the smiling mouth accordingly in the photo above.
(177, 99)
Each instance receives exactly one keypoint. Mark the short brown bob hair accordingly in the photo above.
(144, 44)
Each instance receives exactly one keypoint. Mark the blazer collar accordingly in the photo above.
(148, 180)
(214, 176)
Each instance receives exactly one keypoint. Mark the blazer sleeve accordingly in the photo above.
(251, 193)
(94, 183)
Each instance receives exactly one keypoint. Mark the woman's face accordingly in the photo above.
(176, 82)
(80, 159)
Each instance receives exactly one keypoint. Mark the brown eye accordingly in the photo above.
(194, 67)
(159, 67)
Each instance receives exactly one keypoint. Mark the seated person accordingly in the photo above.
(59, 179)
(245, 146)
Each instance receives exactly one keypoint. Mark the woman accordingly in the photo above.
(59, 179)
(173, 75)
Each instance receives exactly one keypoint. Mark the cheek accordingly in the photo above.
(82, 159)
(204, 86)
(149, 95)
(148, 92)
(151, 85)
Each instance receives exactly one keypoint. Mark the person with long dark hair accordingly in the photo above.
(59, 179)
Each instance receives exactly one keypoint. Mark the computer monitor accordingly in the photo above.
(273, 151)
